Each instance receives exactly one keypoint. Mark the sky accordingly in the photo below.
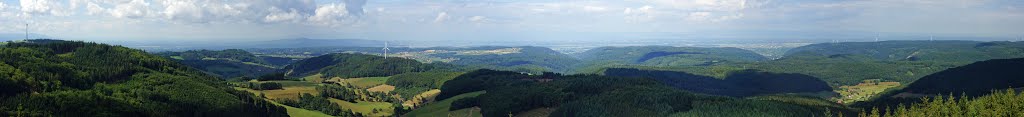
(176, 20)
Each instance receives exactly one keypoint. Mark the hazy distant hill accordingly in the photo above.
(669, 56)
(596, 59)
(224, 63)
(346, 65)
(904, 61)
(951, 51)
(520, 59)
(21, 36)
(306, 42)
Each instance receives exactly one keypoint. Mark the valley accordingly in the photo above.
(490, 81)
(511, 58)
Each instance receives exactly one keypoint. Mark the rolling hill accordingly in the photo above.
(944, 51)
(64, 78)
(973, 80)
(592, 95)
(228, 63)
(737, 84)
(521, 59)
(346, 65)
(669, 56)
(596, 59)
(307, 43)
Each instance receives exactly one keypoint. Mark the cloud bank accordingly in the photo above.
(242, 19)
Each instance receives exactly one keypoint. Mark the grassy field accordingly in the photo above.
(298, 112)
(440, 108)
(429, 95)
(316, 78)
(295, 83)
(177, 57)
(863, 91)
(292, 111)
(466, 112)
(286, 93)
(539, 112)
(363, 83)
(382, 88)
(366, 107)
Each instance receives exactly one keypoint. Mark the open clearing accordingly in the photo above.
(292, 111)
(863, 90)
(316, 78)
(382, 88)
(384, 108)
(440, 108)
(298, 112)
(429, 95)
(538, 112)
(294, 83)
(361, 83)
(291, 93)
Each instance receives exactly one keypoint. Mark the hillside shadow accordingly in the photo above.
(737, 84)
(653, 55)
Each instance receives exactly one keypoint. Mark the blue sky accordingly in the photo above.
(164, 20)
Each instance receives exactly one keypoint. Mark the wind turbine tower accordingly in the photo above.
(876, 37)
(386, 50)
(931, 38)
(26, 31)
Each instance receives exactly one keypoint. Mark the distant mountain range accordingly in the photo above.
(20, 36)
(306, 42)
(280, 43)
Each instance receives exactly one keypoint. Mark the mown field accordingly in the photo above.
(863, 91)
(428, 95)
(361, 83)
(440, 108)
(383, 108)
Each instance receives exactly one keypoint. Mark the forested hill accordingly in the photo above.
(512, 93)
(347, 65)
(224, 63)
(597, 59)
(63, 78)
(521, 58)
(973, 80)
(946, 51)
(229, 54)
(736, 84)
(669, 56)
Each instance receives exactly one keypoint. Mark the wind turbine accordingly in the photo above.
(876, 37)
(386, 50)
(26, 31)
(931, 38)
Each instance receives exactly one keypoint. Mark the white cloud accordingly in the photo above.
(441, 17)
(594, 9)
(641, 14)
(44, 7)
(132, 9)
(278, 15)
(530, 15)
(331, 15)
(95, 9)
(478, 19)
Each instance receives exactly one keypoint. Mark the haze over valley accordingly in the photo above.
(521, 58)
